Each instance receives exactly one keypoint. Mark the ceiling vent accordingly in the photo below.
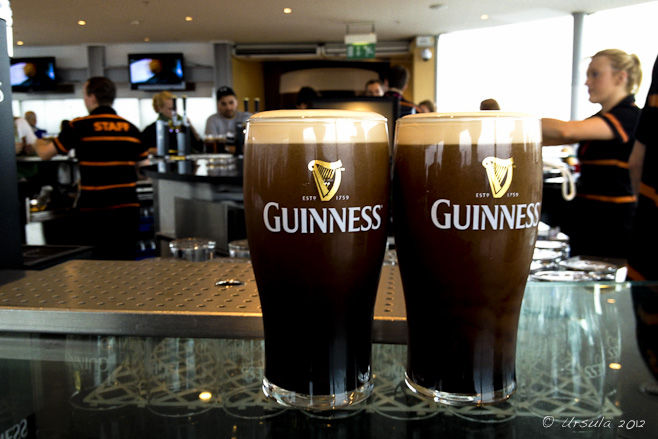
(276, 50)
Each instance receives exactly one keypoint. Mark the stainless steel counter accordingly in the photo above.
(160, 297)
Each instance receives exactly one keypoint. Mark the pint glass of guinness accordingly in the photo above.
(316, 190)
(466, 204)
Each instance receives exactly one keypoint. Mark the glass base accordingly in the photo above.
(290, 398)
(461, 399)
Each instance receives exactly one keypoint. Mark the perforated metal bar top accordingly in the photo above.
(162, 297)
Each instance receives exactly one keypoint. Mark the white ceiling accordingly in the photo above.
(54, 22)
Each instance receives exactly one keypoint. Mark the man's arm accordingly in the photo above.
(46, 149)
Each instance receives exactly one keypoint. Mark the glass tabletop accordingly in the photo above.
(586, 365)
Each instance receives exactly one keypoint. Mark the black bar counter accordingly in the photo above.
(194, 199)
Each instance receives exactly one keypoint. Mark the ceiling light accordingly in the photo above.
(81, 22)
(188, 18)
(19, 43)
(287, 11)
(147, 39)
(484, 17)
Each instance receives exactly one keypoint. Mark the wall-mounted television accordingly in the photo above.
(156, 71)
(33, 74)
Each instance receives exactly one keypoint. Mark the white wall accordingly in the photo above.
(632, 29)
(527, 67)
(529, 74)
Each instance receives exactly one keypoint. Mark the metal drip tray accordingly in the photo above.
(161, 297)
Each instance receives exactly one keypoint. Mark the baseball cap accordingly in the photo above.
(225, 91)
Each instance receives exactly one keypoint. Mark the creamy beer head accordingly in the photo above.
(458, 128)
(303, 126)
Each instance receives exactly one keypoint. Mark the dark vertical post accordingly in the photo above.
(223, 71)
(11, 254)
(96, 61)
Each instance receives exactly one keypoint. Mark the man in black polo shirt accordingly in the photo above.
(108, 149)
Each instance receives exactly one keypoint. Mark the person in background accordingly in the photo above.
(305, 97)
(374, 87)
(396, 82)
(109, 150)
(31, 118)
(24, 138)
(489, 104)
(227, 117)
(163, 104)
(25, 146)
(426, 106)
(602, 213)
(643, 259)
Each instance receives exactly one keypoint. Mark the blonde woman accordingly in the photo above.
(163, 105)
(602, 214)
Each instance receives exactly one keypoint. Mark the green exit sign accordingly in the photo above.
(361, 51)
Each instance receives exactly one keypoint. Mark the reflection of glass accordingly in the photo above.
(242, 379)
(105, 372)
(105, 376)
(391, 397)
(182, 376)
(645, 305)
(605, 307)
(562, 369)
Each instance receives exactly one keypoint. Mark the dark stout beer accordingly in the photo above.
(316, 204)
(466, 203)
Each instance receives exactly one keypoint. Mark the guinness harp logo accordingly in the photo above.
(326, 176)
(499, 173)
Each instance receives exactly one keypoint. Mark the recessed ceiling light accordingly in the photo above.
(188, 18)
(484, 17)
(287, 11)
(82, 22)
(19, 43)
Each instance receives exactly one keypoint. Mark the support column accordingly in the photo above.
(223, 64)
(436, 69)
(578, 31)
(96, 61)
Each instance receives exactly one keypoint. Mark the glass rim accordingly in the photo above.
(314, 115)
(465, 116)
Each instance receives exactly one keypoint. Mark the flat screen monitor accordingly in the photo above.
(32, 74)
(386, 106)
(156, 71)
